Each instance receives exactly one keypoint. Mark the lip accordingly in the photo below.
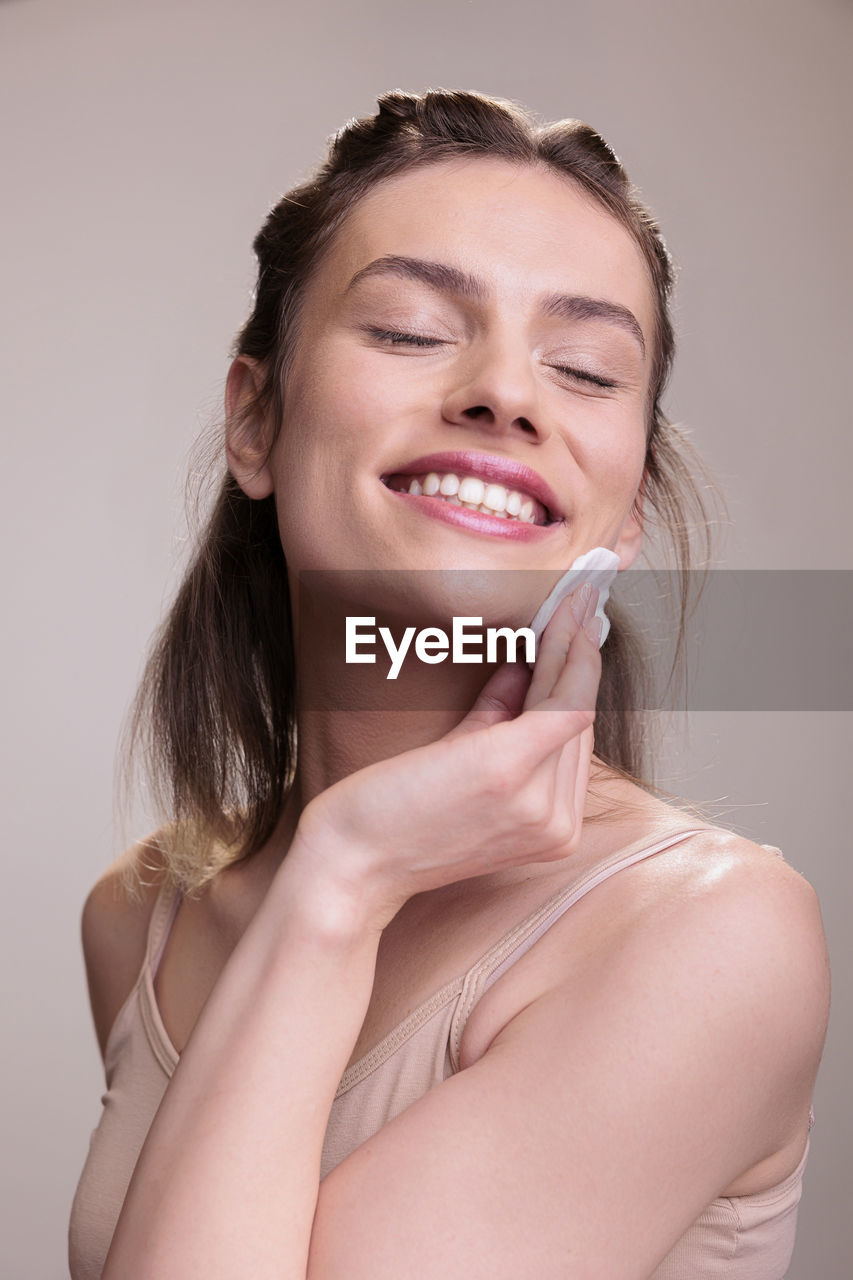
(488, 466)
(474, 521)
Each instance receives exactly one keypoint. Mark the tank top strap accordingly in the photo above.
(160, 924)
(141, 996)
(518, 941)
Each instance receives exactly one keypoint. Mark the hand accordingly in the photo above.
(505, 787)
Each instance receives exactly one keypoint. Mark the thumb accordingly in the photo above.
(501, 698)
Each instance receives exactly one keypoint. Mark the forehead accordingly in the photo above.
(523, 230)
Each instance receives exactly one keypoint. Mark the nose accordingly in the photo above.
(495, 387)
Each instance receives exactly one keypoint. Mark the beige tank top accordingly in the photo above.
(741, 1237)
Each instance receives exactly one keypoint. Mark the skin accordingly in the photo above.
(301, 963)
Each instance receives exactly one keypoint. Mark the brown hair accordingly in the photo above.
(215, 710)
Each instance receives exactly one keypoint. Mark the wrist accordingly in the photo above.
(324, 886)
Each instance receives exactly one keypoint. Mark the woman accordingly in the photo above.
(357, 962)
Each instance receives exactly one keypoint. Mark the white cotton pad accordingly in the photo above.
(598, 567)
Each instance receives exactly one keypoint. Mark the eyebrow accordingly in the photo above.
(447, 279)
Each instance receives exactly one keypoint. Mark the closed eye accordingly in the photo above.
(583, 375)
(397, 338)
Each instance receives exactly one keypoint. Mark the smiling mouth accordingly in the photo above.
(473, 494)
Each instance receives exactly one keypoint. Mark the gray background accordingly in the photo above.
(142, 145)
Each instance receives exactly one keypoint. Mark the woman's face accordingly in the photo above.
(481, 321)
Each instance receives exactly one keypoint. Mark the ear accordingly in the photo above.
(630, 541)
(247, 438)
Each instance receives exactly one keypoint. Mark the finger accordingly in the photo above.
(573, 770)
(565, 777)
(501, 698)
(553, 647)
(568, 709)
(576, 686)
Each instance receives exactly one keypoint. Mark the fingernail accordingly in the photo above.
(580, 603)
(592, 629)
(592, 605)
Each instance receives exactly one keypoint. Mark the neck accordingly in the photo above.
(347, 720)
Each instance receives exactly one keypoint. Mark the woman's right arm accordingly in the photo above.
(114, 931)
(228, 1178)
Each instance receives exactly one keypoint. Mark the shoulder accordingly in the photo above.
(735, 915)
(729, 882)
(114, 929)
(763, 928)
(705, 972)
(717, 933)
(723, 896)
(714, 953)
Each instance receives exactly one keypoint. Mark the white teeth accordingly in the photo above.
(472, 493)
(471, 490)
(495, 497)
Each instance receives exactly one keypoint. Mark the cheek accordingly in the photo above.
(330, 420)
(320, 424)
(629, 462)
(342, 402)
(612, 452)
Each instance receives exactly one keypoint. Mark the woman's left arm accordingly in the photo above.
(611, 1110)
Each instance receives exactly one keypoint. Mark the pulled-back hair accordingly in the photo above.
(215, 711)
